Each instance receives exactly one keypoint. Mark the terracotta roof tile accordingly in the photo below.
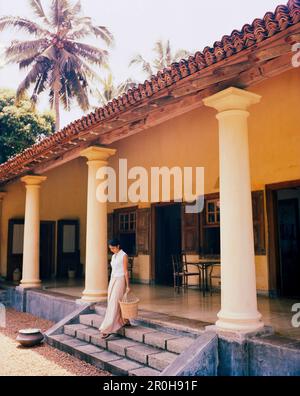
(261, 29)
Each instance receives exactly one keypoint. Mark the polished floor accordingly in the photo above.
(192, 305)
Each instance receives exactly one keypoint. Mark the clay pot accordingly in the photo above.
(30, 337)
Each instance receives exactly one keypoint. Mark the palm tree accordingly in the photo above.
(110, 90)
(163, 58)
(59, 62)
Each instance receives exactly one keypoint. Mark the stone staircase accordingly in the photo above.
(4, 297)
(138, 350)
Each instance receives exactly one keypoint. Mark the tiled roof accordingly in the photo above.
(260, 30)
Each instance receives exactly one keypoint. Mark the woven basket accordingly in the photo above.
(129, 306)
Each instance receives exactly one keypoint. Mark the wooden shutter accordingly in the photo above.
(189, 231)
(143, 231)
(258, 209)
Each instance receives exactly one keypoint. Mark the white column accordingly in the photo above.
(31, 249)
(238, 281)
(96, 276)
(2, 195)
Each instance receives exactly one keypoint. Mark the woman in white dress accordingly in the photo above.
(118, 285)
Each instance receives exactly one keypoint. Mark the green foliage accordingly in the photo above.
(57, 60)
(20, 125)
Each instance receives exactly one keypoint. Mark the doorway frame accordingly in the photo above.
(10, 258)
(59, 243)
(52, 224)
(153, 208)
(273, 241)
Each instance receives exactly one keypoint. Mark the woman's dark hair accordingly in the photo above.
(114, 242)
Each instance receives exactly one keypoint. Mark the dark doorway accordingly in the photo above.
(288, 204)
(283, 208)
(47, 238)
(167, 241)
(15, 248)
(68, 253)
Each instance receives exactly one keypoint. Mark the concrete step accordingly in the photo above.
(169, 342)
(122, 346)
(99, 357)
(138, 350)
(92, 320)
(175, 343)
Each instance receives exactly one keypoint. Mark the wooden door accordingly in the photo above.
(68, 253)
(15, 246)
(47, 243)
(289, 247)
(167, 241)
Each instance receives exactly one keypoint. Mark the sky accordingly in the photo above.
(137, 25)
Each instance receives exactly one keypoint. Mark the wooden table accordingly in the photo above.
(203, 265)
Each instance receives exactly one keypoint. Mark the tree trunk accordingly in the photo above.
(56, 90)
(56, 108)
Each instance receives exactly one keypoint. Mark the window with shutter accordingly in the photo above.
(124, 224)
(143, 231)
(190, 231)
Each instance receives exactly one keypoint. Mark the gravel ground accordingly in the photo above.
(42, 360)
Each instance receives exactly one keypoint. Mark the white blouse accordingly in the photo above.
(117, 264)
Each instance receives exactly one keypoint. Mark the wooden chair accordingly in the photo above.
(187, 273)
(130, 267)
(178, 273)
(181, 272)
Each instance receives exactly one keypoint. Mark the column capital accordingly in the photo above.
(98, 153)
(232, 99)
(33, 180)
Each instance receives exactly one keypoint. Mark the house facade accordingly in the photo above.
(233, 110)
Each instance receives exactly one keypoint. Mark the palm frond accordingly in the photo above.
(58, 12)
(78, 86)
(33, 75)
(104, 33)
(145, 65)
(66, 95)
(26, 62)
(50, 53)
(71, 62)
(40, 86)
(37, 7)
(181, 54)
(19, 50)
(23, 24)
(90, 53)
(77, 8)
(78, 33)
(168, 53)
(159, 49)
(110, 91)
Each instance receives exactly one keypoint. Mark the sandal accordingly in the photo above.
(104, 336)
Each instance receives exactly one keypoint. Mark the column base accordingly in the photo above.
(93, 296)
(239, 323)
(30, 284)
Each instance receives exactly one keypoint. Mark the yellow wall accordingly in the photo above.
(62, 196)
(192, 140)
(188, 140)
